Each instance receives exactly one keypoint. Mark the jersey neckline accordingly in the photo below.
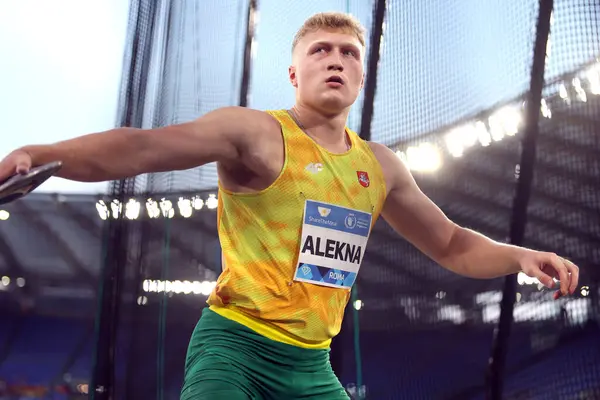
(329, 152)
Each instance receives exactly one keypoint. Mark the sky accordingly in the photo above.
(60, 73)
(441, 60)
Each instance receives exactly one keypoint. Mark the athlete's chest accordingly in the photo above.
(338, 201)
(346, 182)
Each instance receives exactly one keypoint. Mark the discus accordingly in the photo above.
(20, 185)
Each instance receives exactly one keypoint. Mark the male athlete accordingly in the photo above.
(298, 195)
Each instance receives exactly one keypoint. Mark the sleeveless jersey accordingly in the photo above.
(291, 252)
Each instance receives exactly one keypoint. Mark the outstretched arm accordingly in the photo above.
(414, 216)
(223, 135)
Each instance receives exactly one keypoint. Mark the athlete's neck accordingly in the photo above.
(327, 130)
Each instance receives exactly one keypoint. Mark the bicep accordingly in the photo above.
(416, 217)
(222, 135)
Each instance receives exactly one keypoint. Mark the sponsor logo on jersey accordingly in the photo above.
(314, 168)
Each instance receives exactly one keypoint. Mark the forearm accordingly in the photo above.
(95, 157)
(476, 256)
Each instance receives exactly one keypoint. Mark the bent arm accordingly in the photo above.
(415, 217)
(219, 136)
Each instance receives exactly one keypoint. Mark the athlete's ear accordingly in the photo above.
(292, 75)
(362, 82)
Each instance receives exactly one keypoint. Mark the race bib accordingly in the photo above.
(334, 240)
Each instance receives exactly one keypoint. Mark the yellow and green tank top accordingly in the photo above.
(291, 251)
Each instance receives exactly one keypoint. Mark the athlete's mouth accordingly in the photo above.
(335, 79)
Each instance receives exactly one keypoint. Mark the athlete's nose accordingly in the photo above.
(335, 63)
(335, 66)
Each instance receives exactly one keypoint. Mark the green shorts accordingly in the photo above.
(229, 361)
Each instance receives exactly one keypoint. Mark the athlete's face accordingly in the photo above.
(327, 70)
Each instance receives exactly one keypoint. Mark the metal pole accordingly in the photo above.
(113, 261)
(372, 67)
(365, 133)
(114, 255)
(495, 375)
(246, 69)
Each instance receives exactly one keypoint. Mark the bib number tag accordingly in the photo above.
(334, 240)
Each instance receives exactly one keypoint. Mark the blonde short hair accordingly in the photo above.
(336, 21)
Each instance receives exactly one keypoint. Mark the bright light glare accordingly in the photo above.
(452, 313)
(581, 95)
(132, 209)
(4, 215)
(545, 109)
(358, 304)
(461, 138)
(166, 207)
(484, 137)
(185, 207)
(593, 77)
(102, 210)
(523, 279)
(585, 291)
(509, 119)
(212, 201)
(186, 287)
(424, 157)
(197, 203)
(116, 208)
(454, 143)
(562, 91)
(152, 208)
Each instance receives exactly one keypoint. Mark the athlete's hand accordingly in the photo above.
(17, 162)
(547, 266)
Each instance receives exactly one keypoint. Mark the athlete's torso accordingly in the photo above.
(291, 251)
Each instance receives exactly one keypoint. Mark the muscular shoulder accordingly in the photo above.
(241, 130)
(245, 124)
(257, 130)
(383, 153)
(257, 118)
(394, 170)
(259, 156)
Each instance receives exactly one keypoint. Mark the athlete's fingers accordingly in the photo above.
(6, 170)
(555, 262)
(23, 163)
(574, 272)
(544, 278)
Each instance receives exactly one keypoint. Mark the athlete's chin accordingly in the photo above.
(335, 104)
